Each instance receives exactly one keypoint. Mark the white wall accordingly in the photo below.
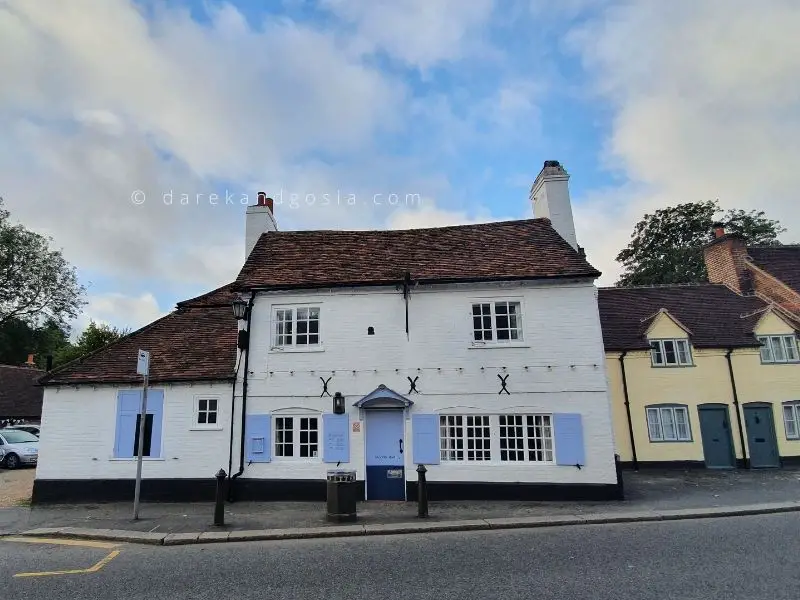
(561, 331)
(79, 425)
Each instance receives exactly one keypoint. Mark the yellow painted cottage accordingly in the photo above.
(701, 375)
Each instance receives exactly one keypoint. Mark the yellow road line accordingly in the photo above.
(60, 542)
(93, 569)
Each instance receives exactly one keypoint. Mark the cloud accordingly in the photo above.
(706, 104)
(120, 310)
(107, 101)
(418, 33)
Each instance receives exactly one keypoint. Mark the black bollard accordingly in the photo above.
(422, 492)
(219, 506)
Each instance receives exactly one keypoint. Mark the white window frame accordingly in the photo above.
(449, 450)
(658, 354)
(527, 446)
(297, 443)
(294, 346)
(791, 419)
(493, 302)
(786, 343)
(196, 424)
(655, 419)
(462, 438)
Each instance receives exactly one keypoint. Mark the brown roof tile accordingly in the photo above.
(222, 296)
(190, 344)
(716, 316)
(508, 250)
(20, 397)
(782, 262)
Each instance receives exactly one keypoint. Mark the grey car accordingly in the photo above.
(20, 448)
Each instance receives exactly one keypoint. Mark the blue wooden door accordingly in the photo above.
(761, 436)
(385, 451)
(715, 431)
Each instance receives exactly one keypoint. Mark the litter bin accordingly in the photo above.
(342, 496)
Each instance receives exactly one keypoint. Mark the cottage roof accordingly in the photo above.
(716, 316)
(782, 262)
(20, 397)
(507, 250)
(194, 343)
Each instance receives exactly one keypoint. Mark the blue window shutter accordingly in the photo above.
(335, 438)
(128, 404)
(568, 431)
(425, 432)
(258, 438)
(155, 407)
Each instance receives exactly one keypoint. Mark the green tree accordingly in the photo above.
(666, 247)
(18, 339)
(93, 338)
(36, 282)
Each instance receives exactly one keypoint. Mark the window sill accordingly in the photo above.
(671, 441)
(780, 364)
(296, 350)
(492, 346)
(145, 459)
(201, 428)
(672, 366)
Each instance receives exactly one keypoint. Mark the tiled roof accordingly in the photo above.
(716, 316)
(222, 296)
(20, 397)
(190, 344)
(508, 250)
(782, 262)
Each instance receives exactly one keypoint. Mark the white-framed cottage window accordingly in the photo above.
(778, 349)
(206, 412)
(465, 437)
(526, 438)
(668, 424)
(296, 327)
(296, 437)
(670, 353)
(496, 322)
(791, 419)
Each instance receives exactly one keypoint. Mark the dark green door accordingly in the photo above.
(715, 431)
(761, 439)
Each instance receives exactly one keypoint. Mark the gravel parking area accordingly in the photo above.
(16, 486)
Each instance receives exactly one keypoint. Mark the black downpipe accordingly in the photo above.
(628, 408)
(244, 399)
(736, 407)
(233, 406)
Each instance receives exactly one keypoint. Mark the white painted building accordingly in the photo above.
(474, 350)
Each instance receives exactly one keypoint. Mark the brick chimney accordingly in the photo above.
(725, 257)
(260, 219)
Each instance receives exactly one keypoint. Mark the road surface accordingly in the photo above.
(733, 558)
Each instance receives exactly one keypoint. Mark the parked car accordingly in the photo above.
(34, 429)
(20, 448)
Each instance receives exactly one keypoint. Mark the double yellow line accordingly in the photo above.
(61, 542)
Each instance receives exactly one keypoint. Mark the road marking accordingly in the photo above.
(93, 569)
(60, 542)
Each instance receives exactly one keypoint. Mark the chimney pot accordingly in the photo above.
(719, 230)
(30, 361)
(551, 163)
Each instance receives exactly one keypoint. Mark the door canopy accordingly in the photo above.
(383, 397)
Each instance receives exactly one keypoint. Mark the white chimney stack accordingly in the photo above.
(259, 220)
(550, 199)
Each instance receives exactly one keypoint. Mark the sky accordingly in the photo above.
(112, 110)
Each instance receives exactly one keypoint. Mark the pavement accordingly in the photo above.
(745, 558)
(16, 486)
(651, 496)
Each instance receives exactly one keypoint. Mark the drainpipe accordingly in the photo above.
(736, 406)
(628, 408)
(244, 399)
